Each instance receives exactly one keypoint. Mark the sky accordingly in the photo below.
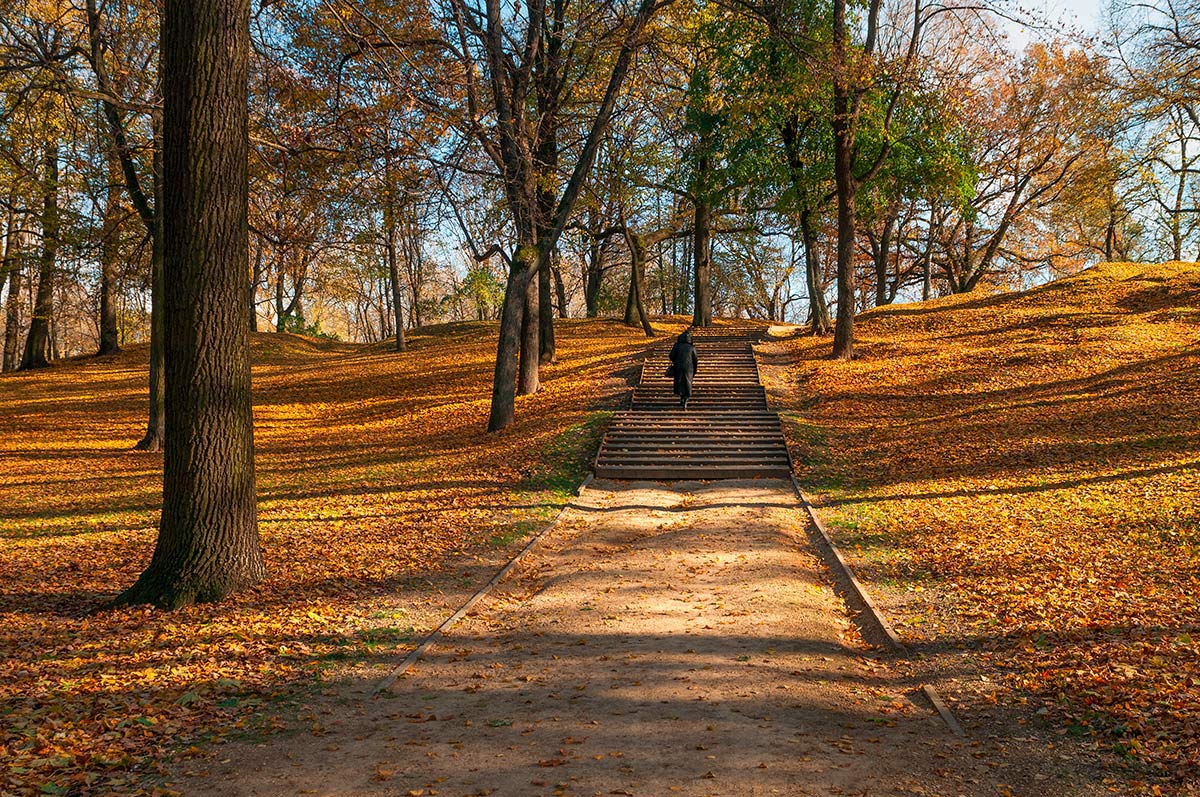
(1085, 15)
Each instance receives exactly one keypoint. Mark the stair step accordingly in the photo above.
(727, 431)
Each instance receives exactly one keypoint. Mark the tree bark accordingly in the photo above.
(110, 263)
(208, 536)
(37, 343)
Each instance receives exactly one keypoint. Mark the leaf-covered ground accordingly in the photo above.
(377, 488)
(1017, 475)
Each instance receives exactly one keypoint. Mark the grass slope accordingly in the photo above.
(377, 490)
(1017, 475)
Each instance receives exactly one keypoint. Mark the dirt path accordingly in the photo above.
(661, 641)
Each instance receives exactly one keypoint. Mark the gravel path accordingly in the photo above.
(662, 640)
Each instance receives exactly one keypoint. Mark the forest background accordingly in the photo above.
(990, 145)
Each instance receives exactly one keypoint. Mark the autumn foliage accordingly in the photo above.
(1016, 475)
(374, 477)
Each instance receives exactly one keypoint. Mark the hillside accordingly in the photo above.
(382, 502)
(1016, 477)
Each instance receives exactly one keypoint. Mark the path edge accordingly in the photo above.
(437, 633)
(864, 607)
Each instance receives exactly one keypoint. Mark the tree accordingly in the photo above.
(37, 343)
(526, 99)
(120, 125)
(1036, 126)
(208, 536)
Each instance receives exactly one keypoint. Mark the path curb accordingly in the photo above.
(866, 610)
(859, 599)
(436, 634)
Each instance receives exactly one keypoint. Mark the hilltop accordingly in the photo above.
(1015, 475)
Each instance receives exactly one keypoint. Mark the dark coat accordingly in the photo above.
(683, 365)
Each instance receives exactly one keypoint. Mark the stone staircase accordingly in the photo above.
(727, 431)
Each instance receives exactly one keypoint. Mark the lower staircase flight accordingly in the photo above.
(727, 431)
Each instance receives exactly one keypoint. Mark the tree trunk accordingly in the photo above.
(882, 253)
(416, 273)
(927, 266)
(397, 306)
(637, 259)
(156, 417)
(630, 318)
(252, 294)
(546, 349)
(818, 308)
(593, 278)
(843, 336)
(389, 223)
(531, 327)
(37, 343)
(846, 185)
(12, 316)
(208, 536)
(702, 255)
(280, 312)
(10, 270)
(110, 263)
(504, 381)
(559, 288)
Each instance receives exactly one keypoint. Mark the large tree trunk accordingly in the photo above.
(37, 343)
(702, 255)
(818, 308)
(110, 263)
(504, 381)
(208, 536)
